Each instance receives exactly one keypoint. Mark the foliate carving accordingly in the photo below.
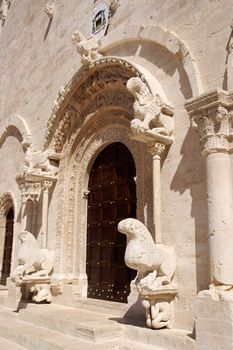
(214, 127)
(156, 148)
(153, 119)
(88, 48)
(156, 265)
(6, 202)
(64, 124)
(49, 8)
(211, 115)
(30, 190)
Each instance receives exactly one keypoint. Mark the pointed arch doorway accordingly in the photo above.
(112, 198)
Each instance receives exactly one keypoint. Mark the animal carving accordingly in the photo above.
(87, 47)
(32, 260)
(37, 161)
(152, 261)
(147, 110)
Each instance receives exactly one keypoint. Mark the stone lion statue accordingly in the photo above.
(156, 265)
(143, 255)
(32, 260)
(87, 47)
(147, 110)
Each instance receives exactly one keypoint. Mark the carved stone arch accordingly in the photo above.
(164, 37)
(103, 132)
(7, 201)
(100, 85)
(16, 122)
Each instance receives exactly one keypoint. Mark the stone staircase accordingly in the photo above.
(59, 327)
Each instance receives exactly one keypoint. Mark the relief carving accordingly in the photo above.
(152, 117)
(214, 127)
(156, 266)
(88, 48)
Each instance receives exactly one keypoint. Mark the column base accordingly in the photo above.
(214, 323)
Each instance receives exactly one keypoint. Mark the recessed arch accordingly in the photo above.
(16, 125)
(161, 36)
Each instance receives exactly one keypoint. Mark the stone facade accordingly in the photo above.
(159, 81)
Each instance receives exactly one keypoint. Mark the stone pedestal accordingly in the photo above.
(36, 289)
(214, 323)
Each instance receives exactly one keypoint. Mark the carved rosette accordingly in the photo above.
(211, 115)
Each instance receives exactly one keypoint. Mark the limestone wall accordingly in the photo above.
(37, 57)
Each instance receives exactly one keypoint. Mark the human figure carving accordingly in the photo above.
(32, 261)
(147, 110)
(87, 47)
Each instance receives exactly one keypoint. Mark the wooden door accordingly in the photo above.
(6, 264)
(112, 198)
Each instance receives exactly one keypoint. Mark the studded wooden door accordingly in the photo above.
(6, 264)
(112, 198)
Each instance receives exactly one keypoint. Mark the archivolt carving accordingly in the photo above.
(108, 75)
(103, 132)
(7, 201)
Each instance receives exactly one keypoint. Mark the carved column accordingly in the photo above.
(211, 117)
(156, 149)
(153, 125)
(45, 206)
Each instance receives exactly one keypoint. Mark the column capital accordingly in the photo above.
(156, 148)
(211, 115)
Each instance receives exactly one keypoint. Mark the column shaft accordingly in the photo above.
(220, 218)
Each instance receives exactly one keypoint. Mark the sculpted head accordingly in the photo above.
(130, 227)
(25, 236)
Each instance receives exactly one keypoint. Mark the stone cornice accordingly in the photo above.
(216, 97)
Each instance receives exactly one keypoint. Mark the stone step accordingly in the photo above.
(86, 325)
(102, 306)
(9, 345)
(34, 337)
(169, 339)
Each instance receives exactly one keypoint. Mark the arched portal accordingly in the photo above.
(7, 252)
(112, 197)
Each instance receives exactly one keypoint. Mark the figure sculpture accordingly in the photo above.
(87, 47)
(32, 260)
(147, 110)
(37, 161)
(156, 265)
(35, 267)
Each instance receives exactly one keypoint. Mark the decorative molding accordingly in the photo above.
(7, 200)
(20, 124)
(212, 116)
(102, 82)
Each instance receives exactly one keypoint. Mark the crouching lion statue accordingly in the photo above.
(156, 265)
(32, 260)
(34, 269)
